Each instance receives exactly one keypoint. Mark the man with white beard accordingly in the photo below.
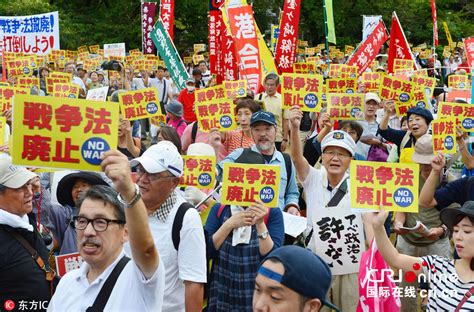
(264, 129)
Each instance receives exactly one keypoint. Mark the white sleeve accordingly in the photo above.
(151, 289)
(192, 249)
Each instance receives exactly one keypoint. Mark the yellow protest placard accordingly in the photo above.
(446, 51)
(444, 135)
(302, 90)
(343, 106)
(199, 47)
(51, 81)
(197, 58)
(94, 48)
(348, 49)
(460, 82)
(309, 51)
(464, 114)
(372, 81)
(399, 90)
(28, 82)
(427, 84)
(140, 104)
(403, 64)
(20, 67)
(304, 68)
(3, 125)
(392, 185)
(199, 171)
(6, 94)
(342, 71)
(341, 85)
(66, 134)
(187, 60)
(313, 59)
(218, 113)
(67, 90)
(243, 184)
(82, 49)
(425, 54)
(235, 89)
(159, 120)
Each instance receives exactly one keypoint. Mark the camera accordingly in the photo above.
(111, 65)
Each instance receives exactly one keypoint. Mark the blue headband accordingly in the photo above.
(270, 274)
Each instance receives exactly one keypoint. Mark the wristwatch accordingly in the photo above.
(134, 200)
(264, 235)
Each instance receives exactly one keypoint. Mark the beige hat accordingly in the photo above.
(370, 96)
(423, 153)
(200, 149)
(13, 176)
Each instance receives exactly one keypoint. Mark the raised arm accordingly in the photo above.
(301, 164)
(144, 253)
(467, 158)
(426, 198)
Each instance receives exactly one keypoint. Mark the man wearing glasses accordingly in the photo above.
(158, 172)
(106, 220)
(329, 210)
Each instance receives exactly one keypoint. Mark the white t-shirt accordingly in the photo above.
(160, 86)
(317, 198)
(132, 291)
(189, 264)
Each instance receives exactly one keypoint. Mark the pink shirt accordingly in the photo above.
(179, 125)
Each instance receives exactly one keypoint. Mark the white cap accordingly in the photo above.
(370, 96)
(161, 157)
(341, 139)
(200, 149)
(13, 176)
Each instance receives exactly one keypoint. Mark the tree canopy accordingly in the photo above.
(89, 22)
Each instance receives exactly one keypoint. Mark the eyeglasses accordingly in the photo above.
(339, 155)
(99, 224)
(151, 176)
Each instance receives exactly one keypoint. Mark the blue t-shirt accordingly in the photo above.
(458, 191)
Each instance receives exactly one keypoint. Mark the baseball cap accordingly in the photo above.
(263, 116)
(175, 108)
(420, 111)
(341, 139)
(163, 156)
(423, 152)
(13, 176)
(449, 216)
(189, 80)
(305, 273)
(370, 96)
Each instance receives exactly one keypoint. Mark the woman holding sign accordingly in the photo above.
(239, 238)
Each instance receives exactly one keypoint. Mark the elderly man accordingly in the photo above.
(109, 280)
(264, 132)
(286, 281)
(22, 276)
(183, 251)
(328, 196)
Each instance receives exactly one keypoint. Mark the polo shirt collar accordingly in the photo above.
(84, 269)
(325, 181)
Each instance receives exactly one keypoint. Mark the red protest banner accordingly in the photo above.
(366, 53)
(285, 52)
(68, 262)
(167, 16)
(469, 50)
(435, 23)
(148, 11)
(215, 27)
(399, 47)
(243, 30)
(230, 68)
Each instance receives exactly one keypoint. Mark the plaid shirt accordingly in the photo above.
(165, 208)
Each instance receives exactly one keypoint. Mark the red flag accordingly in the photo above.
(367, 51)
(215, 27)
(469, 48)
(285, 51)
(242, 25)
(167, 16)
(399, 47)
(229, 59)
(148, 10)
(435, 23)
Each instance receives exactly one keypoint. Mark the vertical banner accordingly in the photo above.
(469, 50)
(285, 53)
(368, 25)
(169, 54)
(274, 39)
(435, 23)
(243, 30)
(35, 34)
(399, 47)
(215, 39)
(167, 16)
(331, 30)
(228, 61)
(148, 11)
(448, 35)
(368, 50)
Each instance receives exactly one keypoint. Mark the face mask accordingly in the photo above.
(190, 88)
